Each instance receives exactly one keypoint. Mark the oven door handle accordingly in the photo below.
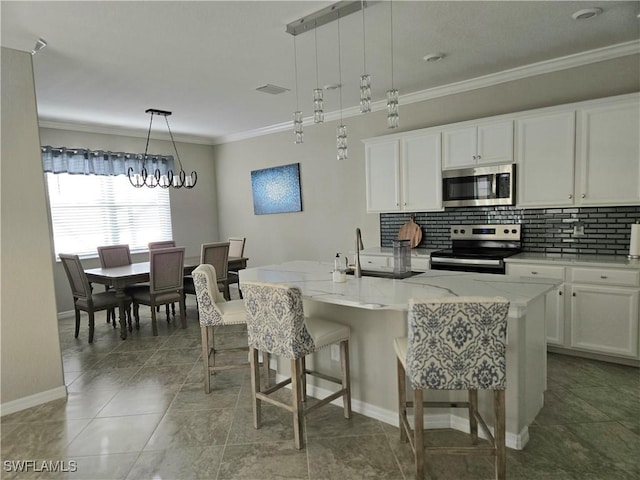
(494, 186)
(466, 261)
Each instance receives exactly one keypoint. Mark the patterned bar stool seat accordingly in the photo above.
(455, 343)
(276, 325)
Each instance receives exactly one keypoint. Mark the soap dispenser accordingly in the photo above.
(339, 273)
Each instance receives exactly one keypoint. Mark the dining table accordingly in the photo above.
(119, 278)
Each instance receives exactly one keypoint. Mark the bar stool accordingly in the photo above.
(213, 311)
(455, 343)
(276, 325)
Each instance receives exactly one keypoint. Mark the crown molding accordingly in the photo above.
(547, 66)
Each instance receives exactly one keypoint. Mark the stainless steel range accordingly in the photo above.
(479, 248)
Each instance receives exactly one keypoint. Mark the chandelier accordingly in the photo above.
(144, 178)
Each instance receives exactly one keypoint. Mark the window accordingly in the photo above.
(88, 211)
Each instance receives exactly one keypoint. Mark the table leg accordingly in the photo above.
(122, 312)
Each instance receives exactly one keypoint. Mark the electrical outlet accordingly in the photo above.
(578, 230)
(335, 353)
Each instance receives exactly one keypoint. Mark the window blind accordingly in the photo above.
(88, 211)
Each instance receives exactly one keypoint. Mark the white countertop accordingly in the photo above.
(575, 260)
(315, 281)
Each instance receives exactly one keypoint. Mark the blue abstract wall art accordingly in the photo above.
(276, 189)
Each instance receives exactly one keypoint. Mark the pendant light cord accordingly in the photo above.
(339, 67)
(315, 32)
(146, 147)
(364, 42)
(295, 67)
(391, 29)
(174, 143)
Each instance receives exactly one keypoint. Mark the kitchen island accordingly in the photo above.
(376, 311)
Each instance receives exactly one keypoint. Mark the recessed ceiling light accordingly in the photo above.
(586, 13)
(433, 57)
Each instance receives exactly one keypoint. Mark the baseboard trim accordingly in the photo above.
(32, 400)
(516, 441)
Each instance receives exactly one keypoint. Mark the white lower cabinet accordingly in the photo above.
(601, 308)
(554, 303)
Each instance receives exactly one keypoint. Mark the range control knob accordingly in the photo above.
(514, 231)
(506, 230)
(462, 231)
(455, 231)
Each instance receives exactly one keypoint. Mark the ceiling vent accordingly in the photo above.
(272, 89)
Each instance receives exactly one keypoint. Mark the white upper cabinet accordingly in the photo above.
(545, 158)
(403, 173)
(478, 144)
(382, 164)
(608, 153)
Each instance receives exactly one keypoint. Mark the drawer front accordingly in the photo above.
(532, 270)
(420, 264)
(373, 261)
(603, 276)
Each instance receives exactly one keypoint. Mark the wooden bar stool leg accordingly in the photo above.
(204, 331)
(265, 367)
(296, 390)
(473, 421)
(499, 434)
(346, 377)
(402, 401)
(303, 378)
(255, 386)
(418, 433)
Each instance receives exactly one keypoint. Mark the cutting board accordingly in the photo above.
(410, 231)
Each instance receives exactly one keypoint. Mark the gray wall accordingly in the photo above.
(31, 362)
(194, 213)
(333, 193)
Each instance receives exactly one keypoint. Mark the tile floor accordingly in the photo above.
(136, 410)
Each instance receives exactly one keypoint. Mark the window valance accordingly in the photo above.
(99, 162)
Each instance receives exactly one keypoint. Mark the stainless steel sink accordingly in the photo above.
(385, 274)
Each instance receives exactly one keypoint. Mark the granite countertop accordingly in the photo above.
(586, 260)
(315, 281)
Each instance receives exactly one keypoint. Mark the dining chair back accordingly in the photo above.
(83, 297)
(162, 244)
(236, 249)
(217, 254)
(114, 256)
(454, 343)
(236, 246)
(166, 273)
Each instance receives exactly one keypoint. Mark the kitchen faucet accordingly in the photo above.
(359, 246)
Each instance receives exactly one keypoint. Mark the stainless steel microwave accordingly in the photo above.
(480, 186)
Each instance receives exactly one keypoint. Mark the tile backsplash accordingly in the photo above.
(607, 230)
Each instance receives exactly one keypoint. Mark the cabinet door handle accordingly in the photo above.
(560, 292)
(479, 157)
(583, 195)
(475, 157)
(573, 294)
(570, 196)
(405, 204)
(604, 277)
(534, 273)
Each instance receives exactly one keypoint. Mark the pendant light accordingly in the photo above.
(341, 131)
(392, 94)
(143, 178)
(365, 78)
(297, 115)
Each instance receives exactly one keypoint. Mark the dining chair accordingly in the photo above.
(214, 311)
(236, 249)
(166, 273)
(455, 343)
(216, 254)
(276, 325)
(83, 298)
(163, 244)
(114, 256)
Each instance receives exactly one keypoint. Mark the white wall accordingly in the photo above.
(333, 193)
(31, 361)
(194, 213)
